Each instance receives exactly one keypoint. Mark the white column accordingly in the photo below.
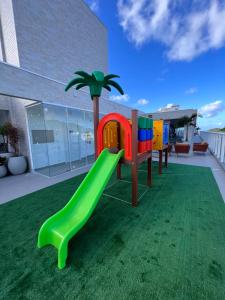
(222, 149)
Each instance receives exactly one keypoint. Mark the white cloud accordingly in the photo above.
(94, 5)
(169, 106)
(186, 32)
(122, 98)
(142, 101)
(191, 91)
(212, 109)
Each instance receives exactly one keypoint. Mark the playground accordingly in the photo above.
(165, 249)
(130, 228)
(118, 141)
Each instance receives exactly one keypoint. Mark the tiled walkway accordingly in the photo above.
(12, 187)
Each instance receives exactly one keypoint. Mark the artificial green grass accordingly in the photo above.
(172, 246)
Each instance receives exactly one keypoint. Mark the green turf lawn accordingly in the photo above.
(171, 247)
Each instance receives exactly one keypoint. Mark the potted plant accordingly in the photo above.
(16, 164)
(4, 133)
(3, 169)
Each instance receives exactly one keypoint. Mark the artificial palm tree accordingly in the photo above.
(96, 82)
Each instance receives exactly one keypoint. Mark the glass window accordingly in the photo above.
(35, 115)
(9, 47)
(4, 116)
(89, 137)
(2, 54)
(58, 148)
(61, 138)
(76, 128)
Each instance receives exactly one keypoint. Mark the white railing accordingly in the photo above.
(216, 141)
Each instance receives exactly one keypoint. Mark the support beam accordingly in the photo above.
(134, 165)
(149, 163)
(160, 161)
(134, 174)
(119, 171)
(166, 157)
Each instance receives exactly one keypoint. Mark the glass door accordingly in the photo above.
(89, 137)
(38, 139)
(57, 139)
(76, 134)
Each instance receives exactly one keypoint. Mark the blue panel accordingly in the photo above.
(149, 134)
(142, 135)
(166, 134)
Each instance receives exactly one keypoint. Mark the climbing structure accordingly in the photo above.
(145, 134)
(134, 135)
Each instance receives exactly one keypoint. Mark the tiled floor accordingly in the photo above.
(12, 187)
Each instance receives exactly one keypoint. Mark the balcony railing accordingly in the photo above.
(216, 141)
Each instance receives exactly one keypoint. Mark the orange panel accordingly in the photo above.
(127, 133)
(110, 135)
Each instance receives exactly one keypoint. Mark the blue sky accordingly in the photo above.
(168, 52)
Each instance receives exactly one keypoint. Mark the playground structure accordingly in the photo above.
(160, 141)
(118, 141)
(134, 135)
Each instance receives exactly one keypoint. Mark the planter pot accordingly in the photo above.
(3, 171)
(7, 155)
(17, 165)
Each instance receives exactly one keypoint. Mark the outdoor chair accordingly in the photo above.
(200, 147)
(182, 148)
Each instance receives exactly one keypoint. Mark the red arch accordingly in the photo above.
(127, 133)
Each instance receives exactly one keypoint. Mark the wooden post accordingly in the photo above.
(166, 157)
(149, 179)
(134, 166)
(160, 161)
(119, 171)
(119, 166)
(95, 100)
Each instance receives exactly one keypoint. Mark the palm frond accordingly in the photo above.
(74, 82)
(83, 74)
(95, 81)
(79, 86)
(107, 87)
(110, 76)
(116, 86)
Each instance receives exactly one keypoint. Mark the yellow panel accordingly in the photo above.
(158, 134)
(110, 135)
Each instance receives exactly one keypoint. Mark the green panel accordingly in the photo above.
(149, 123)
(62, 226)
(142, 122)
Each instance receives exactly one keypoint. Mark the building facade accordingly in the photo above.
(42, 44)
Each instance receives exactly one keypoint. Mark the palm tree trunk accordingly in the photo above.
(96, 120)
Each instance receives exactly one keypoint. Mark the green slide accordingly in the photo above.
(62, 226)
